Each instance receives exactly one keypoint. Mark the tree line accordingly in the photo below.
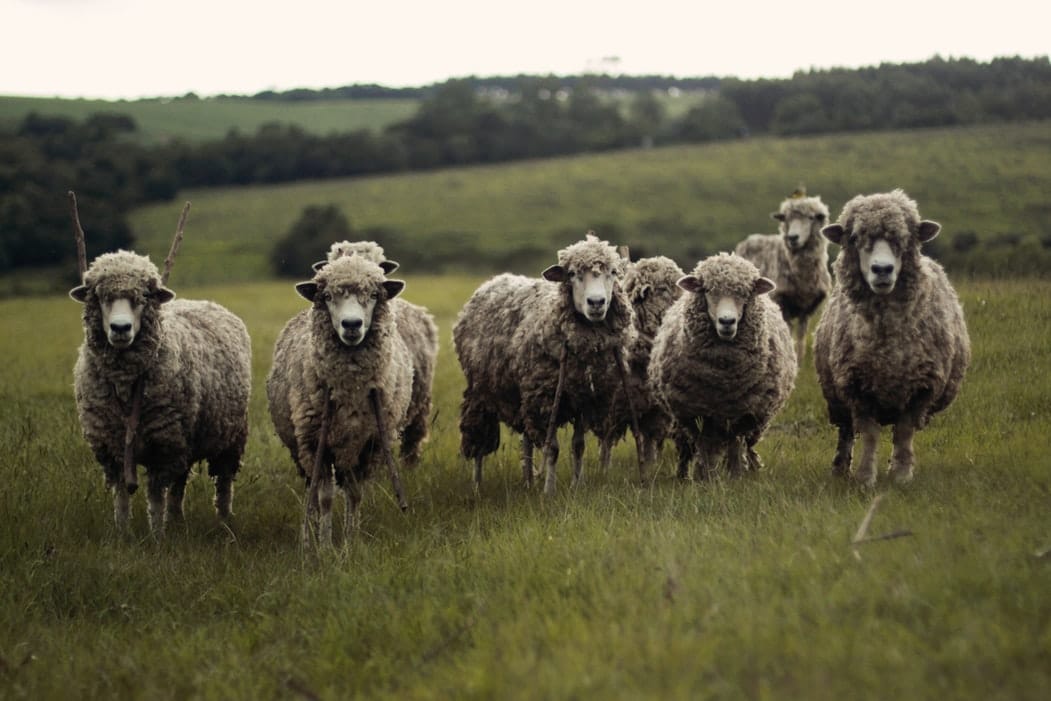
(473, 120)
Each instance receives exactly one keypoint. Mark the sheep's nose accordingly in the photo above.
(727, 321)
(120, 328)
(882, 270)
(596, 301)
(793, 238)
(351, 324)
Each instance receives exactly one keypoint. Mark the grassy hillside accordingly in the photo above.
(200, 120)
(683, 202)
(734, 589)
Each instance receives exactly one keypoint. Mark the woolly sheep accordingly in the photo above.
(513, 336)
(341, 358)
(891, 346)
(420, 334)
(651, 286)
(796, 259)
(193, 359)
(722, 363)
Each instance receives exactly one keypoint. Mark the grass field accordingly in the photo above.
(734, 589)
(683, 202)
(207, 119)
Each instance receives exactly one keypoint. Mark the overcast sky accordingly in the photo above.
(141, 48)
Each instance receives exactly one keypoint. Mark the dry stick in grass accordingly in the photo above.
(631, 409)
(78, 235)
(863, 528)
(176, 242)
(319, 459)
(381, 426)
(552, 424)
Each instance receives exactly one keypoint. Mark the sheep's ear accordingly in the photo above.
(834, 233)
(641, 293)
(319, 265)
(623, 252)
(393, 287)
(556, 273)
(389, 266)
(928, 230)
(764, 285)
(691, 283)
(307, 290)
(79, 293)
(777, 215)
(163, 295)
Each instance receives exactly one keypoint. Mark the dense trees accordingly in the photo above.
(476, 120)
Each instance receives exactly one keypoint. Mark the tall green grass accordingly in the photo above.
(733, 589)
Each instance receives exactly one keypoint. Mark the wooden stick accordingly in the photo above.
(319, 454)
(552, 424)
(886, 536)
(863, 528)
(619, 360)
(78, 235)
(176, 242)
(131, 427)
(388, 456)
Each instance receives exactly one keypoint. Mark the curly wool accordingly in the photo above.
(310, 359)
(370, 250)
(650, 287)
(738, 385)
(195, 357)
(801, 276)
(509, 339)
(882, 356)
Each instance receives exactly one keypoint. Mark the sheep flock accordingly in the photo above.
(597, 342)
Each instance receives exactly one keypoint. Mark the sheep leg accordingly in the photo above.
(155, 490)
(381, 428)
(527, 461)
(121, 506)
(869, 428)
(755, 463)
(551, 440)
(222, 468)
(352, 516)
(578, 452)
(319, 471)
(844, 451)
(733, 456)
(173, 500)
(902, 457)
(131, 427)
(801, 329)
(325, 492)
(605, 453)
(685, 442)
(478, 472)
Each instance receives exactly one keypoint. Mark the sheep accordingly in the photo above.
(538, 353)
(650, 284)
(181, 368)
(891, 346)
(796, 259)
(420, 334)
(339, 387)
(722, 363)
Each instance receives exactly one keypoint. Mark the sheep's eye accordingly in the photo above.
(326, 296)
(852, 239)
(374, 295)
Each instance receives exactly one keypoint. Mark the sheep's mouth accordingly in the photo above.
(726, 334)
(120, 342)
(882, 287)
(351, 338)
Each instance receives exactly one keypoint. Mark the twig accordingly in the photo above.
(388, 456)
(78, 235)
(131, 427)
(619, 360)
(176, 242)
(552, 424)
(319, 456)
(886, 536)
(864, 527)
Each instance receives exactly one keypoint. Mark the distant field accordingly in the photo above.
(683, 202)
(205, 119)
(733, 589)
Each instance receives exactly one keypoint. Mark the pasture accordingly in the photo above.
(743, 588)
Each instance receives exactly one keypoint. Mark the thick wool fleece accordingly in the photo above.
(801, 276)
(310, 359)
(650, 287)
(883, 356)
(509, 339)
(370, 250)
(195, 357)
(738, 385)
(419, 333)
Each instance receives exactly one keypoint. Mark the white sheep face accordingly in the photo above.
(725, 312)
(797, 231)
(351, 313)
(592, 293)
(880, 264)
(121, 320)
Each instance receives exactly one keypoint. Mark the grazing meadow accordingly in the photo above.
(747, 588)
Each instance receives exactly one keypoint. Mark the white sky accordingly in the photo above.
(139, 48)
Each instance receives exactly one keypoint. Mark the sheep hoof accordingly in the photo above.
(902, 474)
(866, 480)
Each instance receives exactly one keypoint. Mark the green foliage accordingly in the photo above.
(308, 240)
(732, 589)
